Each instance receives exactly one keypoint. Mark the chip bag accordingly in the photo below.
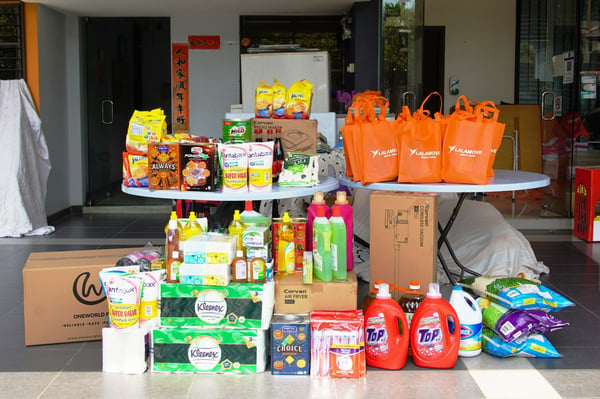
(279, 94)
(135, 170)
(298, 100)
(145, 127)
(263, 101)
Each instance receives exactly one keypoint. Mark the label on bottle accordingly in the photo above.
(240, 267)
(429, 343)
(334, 257)
(470, 337)
(376, 338)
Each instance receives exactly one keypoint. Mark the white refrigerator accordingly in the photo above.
(287, 67)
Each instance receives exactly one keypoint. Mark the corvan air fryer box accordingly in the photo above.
(403, 238)
(297, 135)
(63, 298)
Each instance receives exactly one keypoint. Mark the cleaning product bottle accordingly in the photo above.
(252, 218)
(341, 202)
(318, 201)
(410, 300)
(338, 244)
(172, 216)
(192, 227)
(173, 254)
(470, 318)
(286, 247)
(434, 332)
(236, 228)
(386, 331)
(321, 237)
(239, 268)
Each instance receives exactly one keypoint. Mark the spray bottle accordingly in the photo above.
(318, 201)
(341, 202)
(434, 332)
(386, 331)
(338, 244)
(321, 236)
(469, 315)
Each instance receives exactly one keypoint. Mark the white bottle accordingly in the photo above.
(469, 316)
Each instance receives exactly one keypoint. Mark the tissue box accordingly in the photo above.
(210, 248)
(125, 352)
(193, 350)
(205, 274)
(243, 305)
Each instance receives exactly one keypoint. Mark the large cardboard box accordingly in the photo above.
(587, 195)
(403, 235)
(293, 296)
(297, 135)
(62, 295)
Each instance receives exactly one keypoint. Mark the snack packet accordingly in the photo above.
(279, 94)
(145, 127)
(135, 170)
(298, 100)
(263, 101)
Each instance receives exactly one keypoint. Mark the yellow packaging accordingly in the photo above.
(145, 127)
(298, 100)
(263, 101)
(279, 94)
(260, 166)
(307, 268)
(234, 164)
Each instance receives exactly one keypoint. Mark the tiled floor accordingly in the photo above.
(75, 370)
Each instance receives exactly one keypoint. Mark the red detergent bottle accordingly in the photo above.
(434, 332)
(386, 332)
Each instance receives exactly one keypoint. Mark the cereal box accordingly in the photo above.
(290, 344)
(163, 164)
(199, 167)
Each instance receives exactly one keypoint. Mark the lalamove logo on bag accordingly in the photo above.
(392, 152)
(465, 152)
(424, 154)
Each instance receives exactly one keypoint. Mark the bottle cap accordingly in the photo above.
(457, 288)
(239, 253)
(335, 212)
(383, 291)
(286, 217)
(321, 212)
(248, 205)
(414, 285)
(173, 215)
(434, 291)
(192, 216)
(318, 198)
(340, 198)
(236, 214)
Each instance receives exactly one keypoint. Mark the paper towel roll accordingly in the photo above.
(125, 352)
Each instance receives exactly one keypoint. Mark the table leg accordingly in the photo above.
(443, 240)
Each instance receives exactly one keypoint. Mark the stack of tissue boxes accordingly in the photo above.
(207, 259)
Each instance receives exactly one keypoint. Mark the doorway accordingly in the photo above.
(128, 67)
(434, 49)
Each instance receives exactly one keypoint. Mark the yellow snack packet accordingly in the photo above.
(279, 93)
(263, 101)
(298, 100)
(145, 127)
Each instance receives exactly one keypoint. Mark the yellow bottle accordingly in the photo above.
(286, 247)
(236, 228)
(173, 217)
(173, 254)
(192, 227)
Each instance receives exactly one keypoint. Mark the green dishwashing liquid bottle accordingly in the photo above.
(322, 257)
(338, 244)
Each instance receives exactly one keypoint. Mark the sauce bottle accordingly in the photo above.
(386, 332)
(173, 254)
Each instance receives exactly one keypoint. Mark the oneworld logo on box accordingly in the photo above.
(85, 291)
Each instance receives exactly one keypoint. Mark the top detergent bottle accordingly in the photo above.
(435, 332)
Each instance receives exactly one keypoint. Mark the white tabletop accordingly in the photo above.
(504, 180)
(326, 184)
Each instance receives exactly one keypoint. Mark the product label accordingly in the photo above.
(429, 343)
(211, 306)
(470, 337)
(377, 338)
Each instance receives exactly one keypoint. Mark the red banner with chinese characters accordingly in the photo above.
(204, 42)
(181, 120)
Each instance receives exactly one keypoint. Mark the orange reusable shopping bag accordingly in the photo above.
(377, 152)
(419, 140)
(468, 144)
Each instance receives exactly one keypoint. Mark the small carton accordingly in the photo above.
(164, 166)
(256, 236)
(290, 344)
(199, 167)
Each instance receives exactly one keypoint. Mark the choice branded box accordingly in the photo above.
(293, 296)
(290, 344)
(244, 305)
(403, 233)
(196, 350)
(297, 135)
(62, 295)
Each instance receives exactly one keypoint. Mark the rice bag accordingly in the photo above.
(517, 293)
(535, 345)
(511, 324)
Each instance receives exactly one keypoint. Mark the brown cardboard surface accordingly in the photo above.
(62, 295)
(292, 296)
(530, 137)
(403, 238)
(297, 135)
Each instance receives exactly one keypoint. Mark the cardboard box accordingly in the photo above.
(587, 195)
(403, 231)
(292, 296)
(164, 171)
(297, 135)
(63, 298)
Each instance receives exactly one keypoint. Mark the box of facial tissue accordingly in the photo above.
(246, 305)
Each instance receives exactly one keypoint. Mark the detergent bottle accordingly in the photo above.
(470, 318)
(318, 201)
(386, 332)
(322, 256)
(338, 244)
(434, 332)
(192, 227)
(252, 218)
(341, 202)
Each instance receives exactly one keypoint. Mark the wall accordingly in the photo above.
(214, 75)
(480, 47)
(54, 104)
